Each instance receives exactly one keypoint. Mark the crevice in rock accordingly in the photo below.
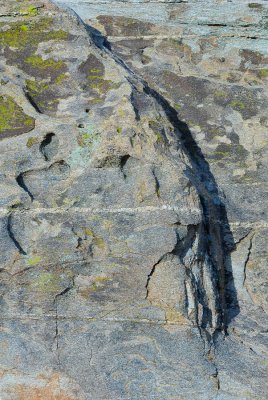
(151, 274)
(157, 184)
(216, 240)
(49, 146)
(21, 183)
(57, 331)
(134, 105)
(123, 160)
(32, 102)
(216, 376)
(247, 259)
(12, 235)
(243, 237)
(62, 293)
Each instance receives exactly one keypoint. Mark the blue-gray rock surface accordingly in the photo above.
(133, 203)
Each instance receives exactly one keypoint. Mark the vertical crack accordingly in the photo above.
(12, 235)
(21, 183)
(57, 331)
(66, 290)
(217, 241)
(247, 259)
(32, 102)
(157, 184)
(151, 274)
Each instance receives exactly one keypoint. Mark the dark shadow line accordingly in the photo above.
(12, 237)
(21, 183)
(218, 239)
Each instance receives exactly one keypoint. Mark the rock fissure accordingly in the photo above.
(57, 334)
(12, 235)
(32, 102)
(21, 183)
(215, 220)
(132, 274)
(248, 258)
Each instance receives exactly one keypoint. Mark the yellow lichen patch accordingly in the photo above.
(88, 232)
(263, 73)
(13, 121)
(36, 87)
(87, 139)
(107, 224)
(177, 106)
(47, 282)
(60, 78)
(30, 11)
(97, 283)
(24, 28)
(99, 242)
(175, 317)
(34, 261)
(20, 35)
(219, 93)
(237, 104)
(39, 63)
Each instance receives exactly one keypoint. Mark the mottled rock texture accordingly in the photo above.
(133, 251)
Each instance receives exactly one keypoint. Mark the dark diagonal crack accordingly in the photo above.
(217, 241)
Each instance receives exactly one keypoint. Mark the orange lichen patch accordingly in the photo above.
(47, 389)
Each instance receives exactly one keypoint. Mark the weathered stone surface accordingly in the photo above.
(133, 200)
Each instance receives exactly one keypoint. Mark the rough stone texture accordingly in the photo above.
(133, 200)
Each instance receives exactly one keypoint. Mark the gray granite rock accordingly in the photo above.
(133, 200)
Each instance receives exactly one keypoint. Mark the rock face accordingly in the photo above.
(133, 200)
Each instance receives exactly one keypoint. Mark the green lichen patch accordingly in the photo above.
(20, 42)
(98, 283)
(30, 33)
(43, 95)
(47, 282)
(61, 78)
(239, 99)
(214, 130)
(177, 106)
(30, 11)
(237, 105)
(87, 139)
(263, 73)
(230, 152)
(31, 141)
(45, 68)
(13, 121)
(158, 130)
(92, 72)
(219, 93)
(34, 261)
(257, 6)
